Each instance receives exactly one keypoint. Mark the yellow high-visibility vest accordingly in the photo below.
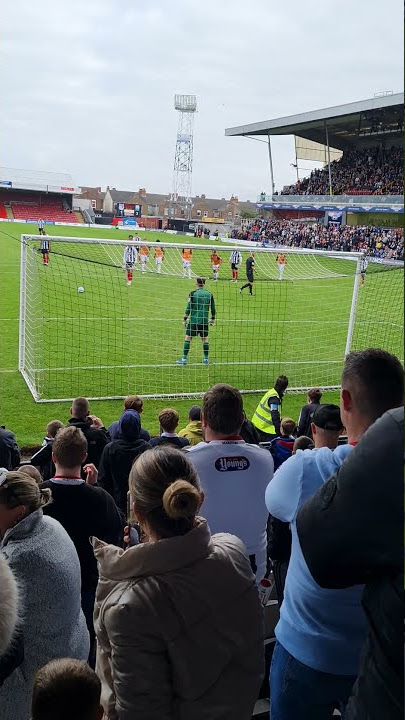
(262, 415)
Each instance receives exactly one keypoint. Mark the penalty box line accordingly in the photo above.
(171, 365)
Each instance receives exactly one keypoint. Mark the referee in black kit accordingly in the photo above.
(250, 264)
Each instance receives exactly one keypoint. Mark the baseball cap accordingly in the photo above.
(327, 417)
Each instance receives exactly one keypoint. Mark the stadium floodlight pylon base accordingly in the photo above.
(110, 340)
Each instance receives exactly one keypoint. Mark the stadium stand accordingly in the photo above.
(29, 206)
(376, 242)
(370, 171)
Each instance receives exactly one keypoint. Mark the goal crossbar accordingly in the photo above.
(194, 246)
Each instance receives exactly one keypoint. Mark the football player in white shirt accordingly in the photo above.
(130, 259)
(235, 260)
(233, 474)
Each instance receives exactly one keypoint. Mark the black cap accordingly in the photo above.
(327, 417)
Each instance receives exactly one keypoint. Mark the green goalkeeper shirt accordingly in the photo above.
(200, 303)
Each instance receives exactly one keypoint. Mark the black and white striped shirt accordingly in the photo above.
(363, 264)
(236, 257)
(45, 244)
(130, 255)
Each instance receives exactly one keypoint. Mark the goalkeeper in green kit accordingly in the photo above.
(197, 321)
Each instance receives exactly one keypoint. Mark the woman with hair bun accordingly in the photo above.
(45, 565)
(178, 618)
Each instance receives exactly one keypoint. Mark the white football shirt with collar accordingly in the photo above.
(234, 476)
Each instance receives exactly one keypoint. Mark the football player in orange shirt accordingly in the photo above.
(216, 261)
(281, 262)
(186, 256)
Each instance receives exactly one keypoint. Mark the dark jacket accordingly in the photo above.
(43, 461)
(179, 442)
(9, 452)
(97, 439)
(351, 532)
(249, 433)
(115, 465)
(281, 449)
(115, 434)
(84, 511)
(305, 419)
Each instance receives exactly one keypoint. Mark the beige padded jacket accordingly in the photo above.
(179, 628)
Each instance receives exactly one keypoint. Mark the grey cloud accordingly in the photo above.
(88, 86)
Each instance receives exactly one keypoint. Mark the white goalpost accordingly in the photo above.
(86, 330)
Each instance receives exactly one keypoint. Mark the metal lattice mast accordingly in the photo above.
(183, 157)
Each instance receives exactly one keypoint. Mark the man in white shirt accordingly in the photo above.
(233, 474)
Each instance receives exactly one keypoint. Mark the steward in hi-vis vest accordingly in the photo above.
(267, 417)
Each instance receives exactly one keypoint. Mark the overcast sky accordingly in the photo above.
(87, 86)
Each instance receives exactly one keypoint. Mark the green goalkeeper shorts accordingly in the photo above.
(195, 330)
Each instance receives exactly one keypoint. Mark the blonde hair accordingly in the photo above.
(165, 488)
(288, 426)
(21, 489)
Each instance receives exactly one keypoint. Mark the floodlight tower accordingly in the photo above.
(186, 105)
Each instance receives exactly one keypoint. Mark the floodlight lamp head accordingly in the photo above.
(185, 103)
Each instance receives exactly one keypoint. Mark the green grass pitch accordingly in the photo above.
(129, 338)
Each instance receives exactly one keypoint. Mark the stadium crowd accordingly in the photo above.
(376, 242)
(372, 171)
(135, 570)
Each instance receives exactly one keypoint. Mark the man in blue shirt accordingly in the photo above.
(321, 632)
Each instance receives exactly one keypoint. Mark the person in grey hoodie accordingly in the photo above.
(178, 619)
(45, 564)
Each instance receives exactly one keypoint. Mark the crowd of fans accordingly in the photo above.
(373, 171)
(376, 242)
(132, 577)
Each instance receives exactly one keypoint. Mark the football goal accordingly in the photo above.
(97, 323)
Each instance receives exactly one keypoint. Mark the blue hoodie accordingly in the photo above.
(323, 629)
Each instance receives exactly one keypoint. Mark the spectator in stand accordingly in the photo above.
(33, 472)
(233, 473)
(369, 171)
(66, 690)
(9, 604)
(305, 418)
(43, 458)
(303, 443)
(337, 534)
(118, 457)
(327, 426)
(161, 602)
(44, 562)
(282, 447)
(375, 242)
(168, 421)
(132, 402)
(83, 510)
(93, 429)
(319, 639)
(193, 430)
(9, 452)
(248, 431)
(266, 418)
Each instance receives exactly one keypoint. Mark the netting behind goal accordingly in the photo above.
(84, 331)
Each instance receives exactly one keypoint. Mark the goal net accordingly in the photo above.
(85, 331)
